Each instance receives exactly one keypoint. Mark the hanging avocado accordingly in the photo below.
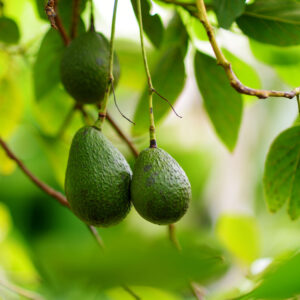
(160, 189)
(98, 178)
(84, 67)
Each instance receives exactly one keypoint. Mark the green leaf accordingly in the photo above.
(130, 259)
(274, 55)
(289, 74)
(222, 103)
(240, 235)
(228, 11)
(282, 172)
(11, 105)
(46, 67)
(9, 31)
(280, 281)
(152, 24)
(193, 26)
(246, 74)
(168, 77)
(272, 22)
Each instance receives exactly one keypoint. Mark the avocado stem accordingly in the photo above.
(150, 85)
(92, 19)
(110, 79)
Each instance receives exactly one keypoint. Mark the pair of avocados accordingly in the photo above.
(100, 185)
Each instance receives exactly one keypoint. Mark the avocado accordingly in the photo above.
(85, 65)
(98, 178)
(160, 189)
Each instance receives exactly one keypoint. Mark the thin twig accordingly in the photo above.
(96, 235)
(123, 136)
(117, 106)
(44, 187)
(131, 292)
(47, 189)
(173, 238)
(21, 291)
(222, 61)
(165, 99)
(75, 18)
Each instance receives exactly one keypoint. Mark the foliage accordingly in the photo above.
(221, 142)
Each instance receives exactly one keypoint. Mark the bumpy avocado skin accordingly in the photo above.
(160, 189)
(84, 67)
(98, 179)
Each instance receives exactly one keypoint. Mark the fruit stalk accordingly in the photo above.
(110, 81)
(151, 89)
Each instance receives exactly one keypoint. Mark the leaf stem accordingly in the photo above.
(102, 110)
(150, 85)
(298, 102)
(222, 61)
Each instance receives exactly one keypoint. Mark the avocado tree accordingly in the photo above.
(69, 69)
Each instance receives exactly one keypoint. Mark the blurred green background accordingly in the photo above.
(227, 237)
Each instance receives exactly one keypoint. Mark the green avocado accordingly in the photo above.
(85, 65)
(98, 178)
(160, 189)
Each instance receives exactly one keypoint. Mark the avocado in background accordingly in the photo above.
(160, 189)
(98, 179)
(85, 65)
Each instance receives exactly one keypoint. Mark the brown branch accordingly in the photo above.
(55, 20)
(44, 187)
(123, 136)
(222, 61)
(62, 30)
(75, 18)
(47, 189)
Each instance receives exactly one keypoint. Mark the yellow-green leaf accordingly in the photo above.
(240, 235)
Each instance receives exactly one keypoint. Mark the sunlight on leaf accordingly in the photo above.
(240, 235)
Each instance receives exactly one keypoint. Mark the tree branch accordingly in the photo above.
(123, 136)
(75, 18)
(46, 188)
(55, 20)
(222, 61)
